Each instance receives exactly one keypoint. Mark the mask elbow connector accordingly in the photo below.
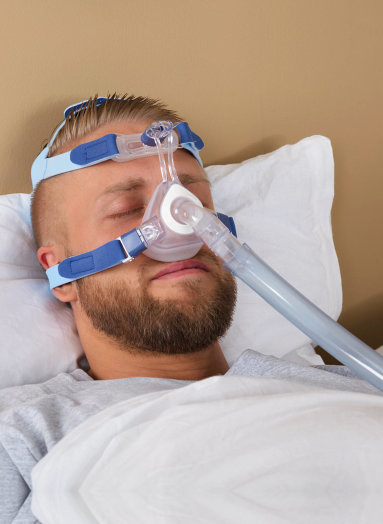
(206, 226)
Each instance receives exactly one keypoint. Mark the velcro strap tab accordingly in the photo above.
(91, 152)
(187, 135)
(82, 265)
(108, 255)
(83, 105)
(228, 222)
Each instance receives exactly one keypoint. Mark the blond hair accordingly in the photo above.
(115, 109)
(48, 226)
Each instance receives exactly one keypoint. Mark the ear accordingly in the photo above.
(50, 256)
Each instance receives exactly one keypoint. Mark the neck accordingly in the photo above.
(132, 363)
(108, 360)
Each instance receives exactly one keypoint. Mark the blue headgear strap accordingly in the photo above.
(123, 249)
(96, 151)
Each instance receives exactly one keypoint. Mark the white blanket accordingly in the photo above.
(222, 450)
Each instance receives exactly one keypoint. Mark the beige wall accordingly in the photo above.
(250, 76)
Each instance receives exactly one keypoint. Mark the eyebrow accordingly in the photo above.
(186, 179)
(128, 185)
(138, 183)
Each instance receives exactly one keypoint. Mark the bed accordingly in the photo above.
(225, 448)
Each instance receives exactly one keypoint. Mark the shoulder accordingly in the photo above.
(35, 416)
(252, 363)
(14, 396)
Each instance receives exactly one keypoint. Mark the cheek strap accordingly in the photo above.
(123, 249)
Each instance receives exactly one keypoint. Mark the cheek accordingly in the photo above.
(128, 274)
(205, 196)
(123, 276)
(202, 191)
(208, 199)
(137, 274)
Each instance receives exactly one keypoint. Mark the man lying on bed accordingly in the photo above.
(145, 326)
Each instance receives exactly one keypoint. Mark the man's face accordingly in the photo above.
(178, 312)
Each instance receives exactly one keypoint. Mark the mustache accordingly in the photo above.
(203, 255)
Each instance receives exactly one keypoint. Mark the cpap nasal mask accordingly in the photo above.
(176, 225)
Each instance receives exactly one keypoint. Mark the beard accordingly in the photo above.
(140, 322)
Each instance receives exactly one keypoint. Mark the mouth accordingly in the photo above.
(180, 269)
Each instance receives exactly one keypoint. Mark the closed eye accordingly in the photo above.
(130, 212)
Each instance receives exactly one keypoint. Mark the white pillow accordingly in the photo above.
(281, 203)
(38, 335)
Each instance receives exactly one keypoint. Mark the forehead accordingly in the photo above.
(118, 127)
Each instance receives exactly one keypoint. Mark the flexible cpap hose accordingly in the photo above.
(240, 260)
